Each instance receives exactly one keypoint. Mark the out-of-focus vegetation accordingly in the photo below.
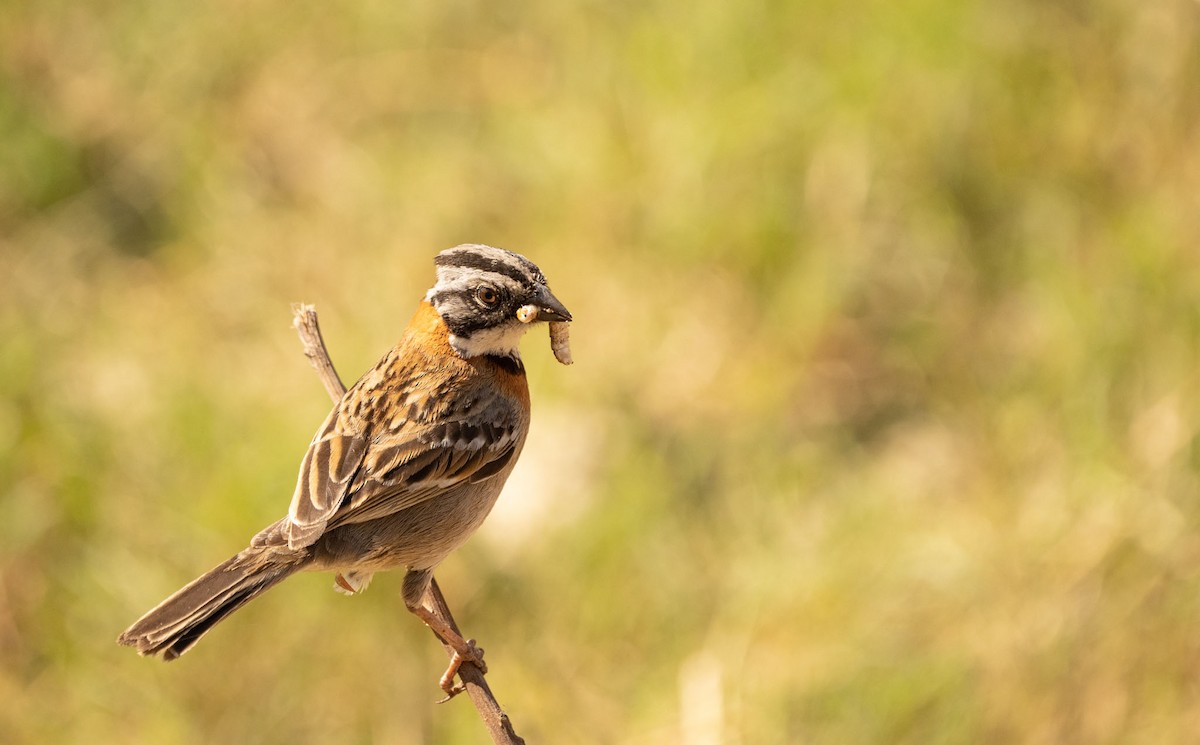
(884, 421)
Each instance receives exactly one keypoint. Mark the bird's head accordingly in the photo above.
(488, 297)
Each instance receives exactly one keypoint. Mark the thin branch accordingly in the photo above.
(497, 722)
(304, 320)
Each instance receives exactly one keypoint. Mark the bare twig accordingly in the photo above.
(497, 722)
(304, 319)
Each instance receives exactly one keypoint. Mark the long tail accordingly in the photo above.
(178, 622)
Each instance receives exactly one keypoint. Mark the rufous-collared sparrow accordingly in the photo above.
(406, 466)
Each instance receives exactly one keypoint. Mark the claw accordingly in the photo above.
(446, 682)
(451, 693)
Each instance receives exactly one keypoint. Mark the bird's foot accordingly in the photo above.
(446, 683)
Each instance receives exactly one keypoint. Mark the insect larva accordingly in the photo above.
(527, 313)
(560, 341)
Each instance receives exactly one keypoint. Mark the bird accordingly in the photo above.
(406, 466)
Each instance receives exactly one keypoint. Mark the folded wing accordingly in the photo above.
(351, 474)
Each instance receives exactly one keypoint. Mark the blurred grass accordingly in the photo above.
(884, 422)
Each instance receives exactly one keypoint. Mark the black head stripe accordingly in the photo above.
(466, 324)
(467, 258)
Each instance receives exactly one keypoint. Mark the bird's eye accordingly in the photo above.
(487, 296)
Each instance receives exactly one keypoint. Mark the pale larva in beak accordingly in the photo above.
(560, 339)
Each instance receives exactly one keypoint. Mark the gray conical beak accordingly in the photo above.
(549, 309)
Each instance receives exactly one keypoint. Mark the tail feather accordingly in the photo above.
(177, 623)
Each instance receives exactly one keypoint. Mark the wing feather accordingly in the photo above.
(427, 470)
(325, 477)
(351, 474)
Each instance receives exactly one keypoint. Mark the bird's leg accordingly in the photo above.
(464, 648)
(416, 585)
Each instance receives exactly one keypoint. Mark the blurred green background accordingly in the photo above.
(883, 426)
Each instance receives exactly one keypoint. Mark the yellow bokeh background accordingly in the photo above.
(883, 426)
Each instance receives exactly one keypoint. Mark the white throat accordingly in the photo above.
(502, 341)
